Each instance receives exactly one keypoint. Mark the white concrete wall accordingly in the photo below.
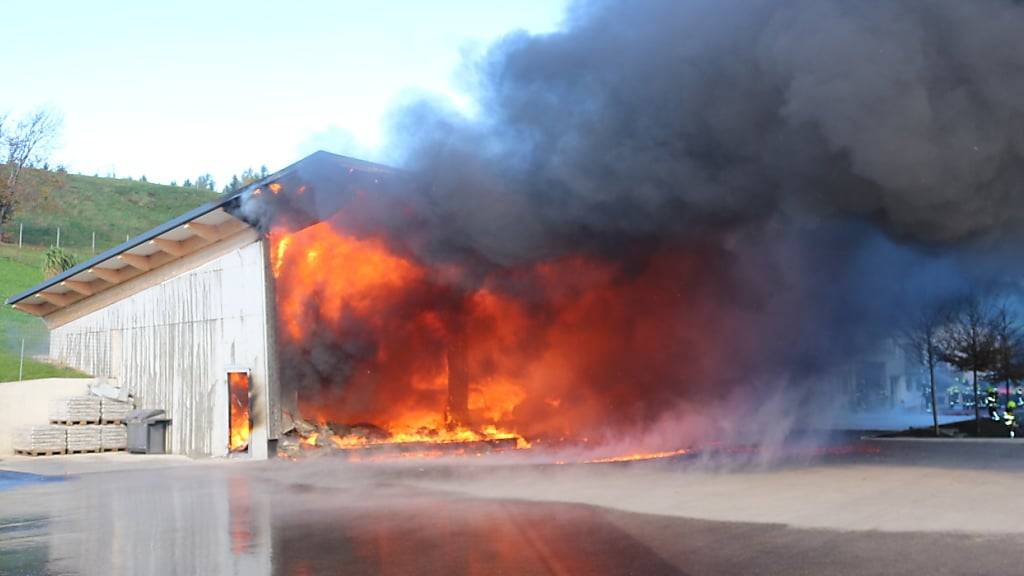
(171, 343)
(27, 403)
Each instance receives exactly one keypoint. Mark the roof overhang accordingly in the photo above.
(175, 239)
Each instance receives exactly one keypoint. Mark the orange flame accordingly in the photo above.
(573, 349)
(311, 439)
(238, 389)
(637, 457)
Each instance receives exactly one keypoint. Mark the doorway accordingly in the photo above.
(239, 411)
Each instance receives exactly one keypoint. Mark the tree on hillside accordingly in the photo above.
(247, 177)
(921, 335)
(187, 183)
(233, 185)
(20, 146)
(968, 344)
(1008, 351)
(205, 182)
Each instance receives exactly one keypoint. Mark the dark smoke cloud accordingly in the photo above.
(837, 165)
(879, 145)
(657, 117)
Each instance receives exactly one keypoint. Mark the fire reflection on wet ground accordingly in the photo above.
(464, 537)
(220, 522)
(468, 517)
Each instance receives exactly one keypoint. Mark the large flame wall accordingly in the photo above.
(570, 348)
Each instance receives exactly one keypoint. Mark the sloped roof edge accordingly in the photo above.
(229, 203)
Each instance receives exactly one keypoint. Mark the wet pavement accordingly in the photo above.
(330, 517)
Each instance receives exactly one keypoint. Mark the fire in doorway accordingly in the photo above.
(239, 413)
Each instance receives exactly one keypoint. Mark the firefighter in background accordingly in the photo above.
(954, 397)
(1010, 418)
(992, 403)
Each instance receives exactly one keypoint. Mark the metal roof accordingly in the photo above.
(176, 238)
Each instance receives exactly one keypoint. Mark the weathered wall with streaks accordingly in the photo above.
(171, 343)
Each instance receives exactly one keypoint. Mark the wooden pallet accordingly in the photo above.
(83, 451)
(102, 421)
(113, 449)
(74, 422)
(38, 452)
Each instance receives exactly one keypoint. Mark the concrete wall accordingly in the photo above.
(171, 335)
(28, 402)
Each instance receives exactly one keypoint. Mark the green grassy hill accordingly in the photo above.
(19, 270)
(79, 205)
(110, 207)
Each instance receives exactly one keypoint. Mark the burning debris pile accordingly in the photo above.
(662, 206)
(368, 442)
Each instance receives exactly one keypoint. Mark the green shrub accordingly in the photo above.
(57, 260)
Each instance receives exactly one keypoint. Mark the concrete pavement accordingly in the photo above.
(903, 508)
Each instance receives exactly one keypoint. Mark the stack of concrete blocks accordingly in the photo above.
(114, 411)
(41, 440)
(84, 438)
(78, 424)
(113, 437)
(76, 410)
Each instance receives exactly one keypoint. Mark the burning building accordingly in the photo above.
(661, 208)
(265, 313)
(239, 325)
(183, 318)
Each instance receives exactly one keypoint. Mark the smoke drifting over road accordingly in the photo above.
(767, 186)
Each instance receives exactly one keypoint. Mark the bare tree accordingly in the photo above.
(22, 145)
(966, 342)
(922, 336)
(1008, 353)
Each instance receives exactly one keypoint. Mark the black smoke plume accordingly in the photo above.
(867, 155)
(836, 165)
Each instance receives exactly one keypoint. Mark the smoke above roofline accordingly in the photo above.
(835, 166)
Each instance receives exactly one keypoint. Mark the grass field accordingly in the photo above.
(20, 269)
(80, 205)
(110, 207)
(33, 369)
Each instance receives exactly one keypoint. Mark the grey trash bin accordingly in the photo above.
(147, 431)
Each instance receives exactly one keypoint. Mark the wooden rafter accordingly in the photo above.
(172, 247)
(205, 231)
(57, 299)
(231, 226)
(136, 261)
(83, 288)
(34, 309)
(112, 276)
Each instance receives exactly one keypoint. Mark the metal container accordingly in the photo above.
(147, 431)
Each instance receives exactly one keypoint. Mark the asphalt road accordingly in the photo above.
(328, 517)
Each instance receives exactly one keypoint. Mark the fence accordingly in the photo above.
(28, 340)
(80, 240)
